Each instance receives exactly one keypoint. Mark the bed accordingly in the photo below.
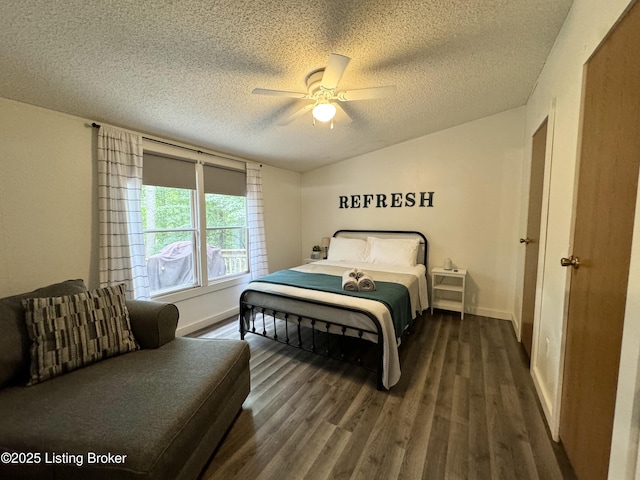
(308, 307)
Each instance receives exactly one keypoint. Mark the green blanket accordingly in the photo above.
(393, 295)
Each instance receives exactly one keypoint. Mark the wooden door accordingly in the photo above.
(532, 240)
(608, 183)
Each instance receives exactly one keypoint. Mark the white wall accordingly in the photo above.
(282, 216)
(48, 211)
(474, 170)
(561, 80)
(47, 198)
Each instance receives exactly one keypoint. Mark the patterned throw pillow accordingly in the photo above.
(75, 330)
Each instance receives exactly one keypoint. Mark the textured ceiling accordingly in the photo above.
(185, 69)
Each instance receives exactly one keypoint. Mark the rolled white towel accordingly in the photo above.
(353, 273)
(366, 283)
(349, 282)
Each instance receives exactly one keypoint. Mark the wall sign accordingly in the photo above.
(392, 200)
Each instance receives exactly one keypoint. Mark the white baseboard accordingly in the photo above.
(516, 327)
(183, 330)
(489, 312)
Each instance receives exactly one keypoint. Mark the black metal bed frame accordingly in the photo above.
(267, 320)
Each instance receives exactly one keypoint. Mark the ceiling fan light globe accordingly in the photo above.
(323, 112)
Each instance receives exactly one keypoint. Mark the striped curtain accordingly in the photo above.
(121, 252)
(258, 262)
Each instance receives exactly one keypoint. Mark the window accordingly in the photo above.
(227, 229)
(226, 217)
(169, 237)
(178, 217)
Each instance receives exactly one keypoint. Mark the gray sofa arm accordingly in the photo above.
(153, 323)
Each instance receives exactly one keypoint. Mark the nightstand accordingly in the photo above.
(448, 289)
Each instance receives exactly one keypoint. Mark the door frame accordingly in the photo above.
(537, 346)
(554, 419)
(550, 115)
(625, 438)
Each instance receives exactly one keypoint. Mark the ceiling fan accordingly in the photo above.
(322, 91)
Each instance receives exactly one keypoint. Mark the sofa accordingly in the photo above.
(156, 411)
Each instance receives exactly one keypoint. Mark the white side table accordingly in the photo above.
(448, 289)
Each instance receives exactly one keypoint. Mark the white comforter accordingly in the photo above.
(414, 278)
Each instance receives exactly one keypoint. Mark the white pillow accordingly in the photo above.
(347, 249)
(393, 251)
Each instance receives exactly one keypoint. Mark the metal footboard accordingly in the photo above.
(317, 335)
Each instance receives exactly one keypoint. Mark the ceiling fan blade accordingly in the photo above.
(279, 93)
(334, 70)
(342, 116)
(298, 113)
(366, 93)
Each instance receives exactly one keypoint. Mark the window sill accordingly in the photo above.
(204, 290)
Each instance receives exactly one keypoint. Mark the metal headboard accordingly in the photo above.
(423, 250)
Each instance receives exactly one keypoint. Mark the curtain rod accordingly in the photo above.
(97, 125)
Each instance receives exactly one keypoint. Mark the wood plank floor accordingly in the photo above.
(465, 408)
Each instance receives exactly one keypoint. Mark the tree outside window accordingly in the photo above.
(172, 226)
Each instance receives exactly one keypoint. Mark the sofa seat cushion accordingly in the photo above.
(154, 406)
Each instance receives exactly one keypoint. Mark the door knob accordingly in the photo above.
(570, 262)
(526, 241)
